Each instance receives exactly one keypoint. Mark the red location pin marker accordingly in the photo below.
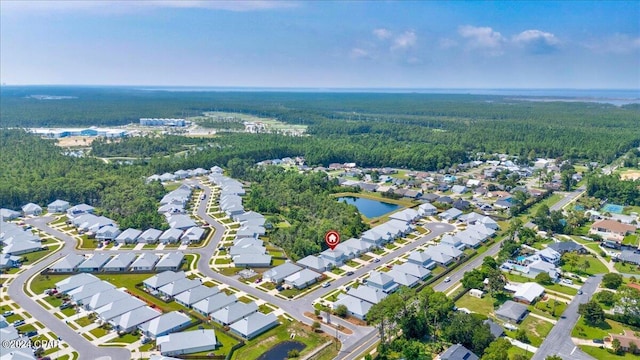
(332, 238)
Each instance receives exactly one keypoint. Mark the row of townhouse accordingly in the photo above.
(16, 241)
(178, 175)
(105, 262)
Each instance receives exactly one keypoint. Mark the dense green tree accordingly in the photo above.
(592, 312)
(497, 350)
(608, 298)
(469, 331)
(612, 280)
(473, 279)
(544, 279)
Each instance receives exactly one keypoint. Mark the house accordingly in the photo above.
(68, 263)
(412, 269)
(149, 236)
(562, 247)
(315, 263)
(195, 294)
(58, 206)
(431, 197)
(539, 266)
(357, 308)
(335, 256)
(421, 258)
(457, 352)
(192, 235)
(443, 254)
(630, 257)
(367, 293)
(234, 312)
(128, 236)
(402, 278)
(549, 255)
(79, 209)
(453, 241)
(118, 307)
(94, 263)
(477, 293)
(187, 342)
(103, 298)
(496, 330)
(86, 291)
(31, 209)
(254, 324)
(165, 324)
(252, 247)
(450, 214)
(170, 236)
(611, 230)
(145, 262)
(75, 281)
(107, 233)
(302, 279)
(214, 303)
(129, 321)
(459, 189)
(512, 311)
(157, 281)
(427, 209)
(170, 261)
(406, 215)
(177, 286)
(120, 262)
(8, 261)
(628, 338)
(179, 221)
(22, 247)
(382, 281)
(252, 260)
(8, 214)
(461, 204)
(528, 293)
(278, 273)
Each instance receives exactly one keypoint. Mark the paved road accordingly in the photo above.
(568, 198)
(558, 342)
(85, 349)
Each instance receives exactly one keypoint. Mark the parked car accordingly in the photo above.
(579, 292)
(7, 313)
(31, 333)
(598, 341)
(145, 340)
(66, 305)
(18, 323)
(325, 285)
(447, 279)
(567, 281)
(376, 260)
(349, 273)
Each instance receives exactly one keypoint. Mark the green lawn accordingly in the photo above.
(480, 306)
(84, 321)
(631, 240)
(69, 311)
(562, 289)
(547, 308)
(99, 332)
(516, 350)
(537, 329)
(352, 263)
(126, 338)
(337, 271)
(53, 301)
(585, 331)
(627, 268)
(595, 266)
(33, 257)
(130, 280)
(365, 257)
(598, 353)
(43, 282)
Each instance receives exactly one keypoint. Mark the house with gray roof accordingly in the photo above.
(357, 308)
(453, 241)
(177, 286)
(630, 257)
(170, 261)
(68, 263)
(335, 256)
(234, 312)
(187, 342)
(421, 258)
(129, 321)
(567, 246)
(120, 262)
(356, 247)
(145, 262)
(413, 269)
(58, 206)
(9, 261)
(302, 279)
(31, 209)
(22, 247)
(214, 303)
(129, 236)
(149, 236)
(247, 249)
(315, 263)
(103, 298)
(155, 282)
(512, 311)
(427, 209)
(382, 281)
(94, 263)
(79, 209)
(8, 214)
(88, 290)
(496, 330)
(118, 307)
(182, 222)
(254, 324)
(278, 273)
(406, 215)
(367, 293)
(170, 236)
(245, 242)
(192, 235)
(75, 281)
(165, 324)
(195, 294)
(108, 232)
(450, 214)
(457, 352)
(402, 278)
(252, 260)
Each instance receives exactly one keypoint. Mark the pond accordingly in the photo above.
(370, 208)
(280, 351)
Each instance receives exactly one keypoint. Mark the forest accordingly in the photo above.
(614, 190)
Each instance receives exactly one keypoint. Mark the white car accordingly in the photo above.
(447, 279)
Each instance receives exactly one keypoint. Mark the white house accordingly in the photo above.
(187, 342)
(31, 209)
(58, 206)
(254, 324)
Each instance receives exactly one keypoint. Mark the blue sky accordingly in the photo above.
(387, 44)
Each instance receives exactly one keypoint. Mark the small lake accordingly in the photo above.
(279, 352)
(370, 208)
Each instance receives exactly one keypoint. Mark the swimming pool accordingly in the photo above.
(521, 258)
(613, 208)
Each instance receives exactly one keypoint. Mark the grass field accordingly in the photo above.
(537, 329)
(627, 268)
(595, 266)
(598, 353)
(586, 331)
(480, 306)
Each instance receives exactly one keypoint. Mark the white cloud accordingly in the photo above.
(536, 41)
(405, 40)
(382, 33)
(358, 53)
(482, 38)
(617, 44)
